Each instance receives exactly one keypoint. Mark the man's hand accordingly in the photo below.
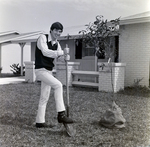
(60, 53)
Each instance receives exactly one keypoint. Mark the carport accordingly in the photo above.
(14, 37)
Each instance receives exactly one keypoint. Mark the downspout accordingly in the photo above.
(22, 46)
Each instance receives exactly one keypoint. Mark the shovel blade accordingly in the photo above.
(69, 129)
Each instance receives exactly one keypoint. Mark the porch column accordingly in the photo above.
(22, 46)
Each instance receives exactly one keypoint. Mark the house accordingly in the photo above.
(134, 48)
(78, 51)
(70, 36)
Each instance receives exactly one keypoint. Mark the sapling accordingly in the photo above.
(98, 34)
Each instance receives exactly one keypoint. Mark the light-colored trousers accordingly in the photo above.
(48, 81)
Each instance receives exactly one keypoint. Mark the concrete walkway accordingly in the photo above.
(12, 80)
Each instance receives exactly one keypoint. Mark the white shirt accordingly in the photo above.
(42, 45)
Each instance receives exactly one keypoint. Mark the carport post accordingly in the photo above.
(22, 46)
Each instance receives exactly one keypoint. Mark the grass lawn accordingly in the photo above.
(18, 107)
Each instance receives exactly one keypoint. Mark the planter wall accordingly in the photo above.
(29, 71)
(61, 71)
(104, 78)
(118, 75)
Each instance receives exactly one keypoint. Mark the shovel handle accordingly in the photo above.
(68, 110)
(67, 86)
(66, 50)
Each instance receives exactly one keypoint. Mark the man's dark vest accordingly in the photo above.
(42, 61)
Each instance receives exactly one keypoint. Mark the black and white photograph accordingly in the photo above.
(74, 73)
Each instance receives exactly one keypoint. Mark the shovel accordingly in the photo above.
(69, 129)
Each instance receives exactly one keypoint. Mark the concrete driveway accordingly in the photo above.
(12, 80)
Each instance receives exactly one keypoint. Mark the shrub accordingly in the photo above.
(16, 69)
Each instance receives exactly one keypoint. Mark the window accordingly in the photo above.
(82, 50)
(78, 49)
(116, 48)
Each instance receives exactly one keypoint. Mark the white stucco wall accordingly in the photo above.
(134, 50)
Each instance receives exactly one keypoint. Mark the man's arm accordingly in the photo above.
(42, 45)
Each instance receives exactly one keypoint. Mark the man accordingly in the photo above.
(47, 49)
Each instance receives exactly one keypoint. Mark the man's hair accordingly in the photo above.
(56, 25)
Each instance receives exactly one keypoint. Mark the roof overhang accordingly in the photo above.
(8, 33)
(7, 36)
(23, 38)
(135, 20)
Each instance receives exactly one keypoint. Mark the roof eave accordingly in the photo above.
(23, 39)
(9, 32)
(135, 20)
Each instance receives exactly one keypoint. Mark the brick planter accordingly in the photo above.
(61, 71)
(118, 75)
(29, 71)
